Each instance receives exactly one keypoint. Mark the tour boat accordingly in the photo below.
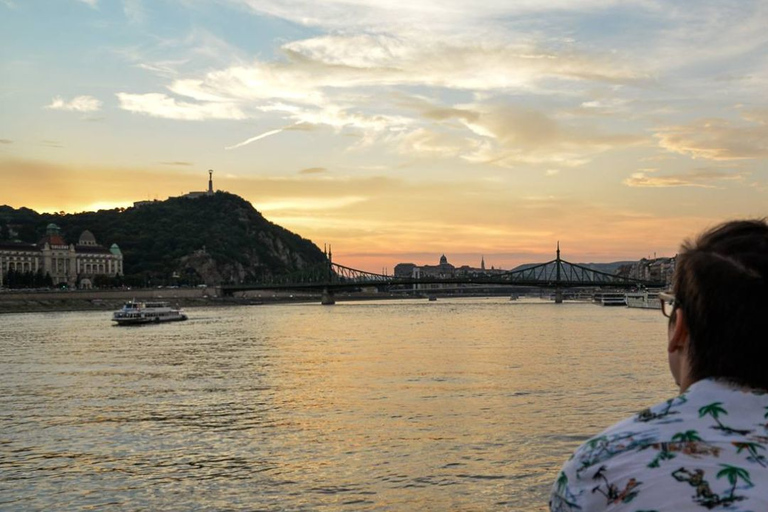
(135, 313)
(610, 299)
(645, 299)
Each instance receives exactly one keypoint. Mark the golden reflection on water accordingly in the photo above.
(459, 404)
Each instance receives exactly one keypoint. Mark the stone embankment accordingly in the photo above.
(101, 300)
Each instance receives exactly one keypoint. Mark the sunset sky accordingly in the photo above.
(399, 130)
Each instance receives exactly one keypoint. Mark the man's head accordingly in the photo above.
(721, 319)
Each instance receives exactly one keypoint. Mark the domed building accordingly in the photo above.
(443, 269)
(87, 239)
(75, 265)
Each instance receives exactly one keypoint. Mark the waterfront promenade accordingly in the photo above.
(12, 301)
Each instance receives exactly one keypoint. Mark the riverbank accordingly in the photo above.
(12, 301)
(110, 300)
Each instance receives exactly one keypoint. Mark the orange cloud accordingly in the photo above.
(705, 178)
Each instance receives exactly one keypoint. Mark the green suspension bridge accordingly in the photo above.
(329, 277)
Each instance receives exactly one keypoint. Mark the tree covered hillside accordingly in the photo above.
(212, 239)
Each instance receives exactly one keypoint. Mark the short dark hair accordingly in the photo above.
(721, 283)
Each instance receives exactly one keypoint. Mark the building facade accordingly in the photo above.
(75, 265)
(656, 269)
(443, 270)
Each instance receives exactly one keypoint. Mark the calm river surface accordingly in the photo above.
(459, 404)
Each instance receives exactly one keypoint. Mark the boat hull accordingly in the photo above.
(148, 320)
(141, 313)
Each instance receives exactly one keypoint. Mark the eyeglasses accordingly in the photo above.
(668, 303)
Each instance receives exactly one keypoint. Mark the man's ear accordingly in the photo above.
(678, 332)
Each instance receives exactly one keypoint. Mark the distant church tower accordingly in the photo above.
(210, 183)
(482, 262)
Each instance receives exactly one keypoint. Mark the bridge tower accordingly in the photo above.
(327, 298)
(558, 290)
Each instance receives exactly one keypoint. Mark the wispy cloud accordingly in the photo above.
(77, 104)
(6, 141)
(337, 81)
(703, 178)
(430, 143)
(354, 61)
(304, 203)
(161, 105)
(515, 135)
(313, 170)
(425, 14)
(717, 139)
(259, 137)
(92, 3)
(178, 163)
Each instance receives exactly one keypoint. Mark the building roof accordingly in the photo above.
(87, 238)
(53, 239)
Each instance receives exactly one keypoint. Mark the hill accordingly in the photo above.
(211, 239)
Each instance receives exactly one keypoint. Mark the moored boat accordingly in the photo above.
(137, 313)
(644, 299)
(610, 299)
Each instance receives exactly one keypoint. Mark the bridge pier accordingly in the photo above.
(327, 298)
(558, 296)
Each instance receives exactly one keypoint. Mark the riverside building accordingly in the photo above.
(75, 265)
(443, 270)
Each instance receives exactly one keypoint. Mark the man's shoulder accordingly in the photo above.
(647, 424)
(703, 405)
(710, 414)
(713, 435)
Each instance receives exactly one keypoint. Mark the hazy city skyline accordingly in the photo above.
(398, 131)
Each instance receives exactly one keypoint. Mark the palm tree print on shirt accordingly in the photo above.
(647, 415)
(611, 492)
(602, 448)
(733, 474)
(704, 494)
(751, 450)
(687, 442)
(715, 409)
(565, 500)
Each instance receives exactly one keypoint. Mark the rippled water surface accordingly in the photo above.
(459, 404)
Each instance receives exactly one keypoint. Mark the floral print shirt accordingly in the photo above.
(703, 450)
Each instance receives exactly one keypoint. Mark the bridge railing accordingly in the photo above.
(348, 274)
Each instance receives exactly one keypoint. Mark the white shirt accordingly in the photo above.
(703, 450)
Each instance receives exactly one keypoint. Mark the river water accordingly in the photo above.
(459, 404)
